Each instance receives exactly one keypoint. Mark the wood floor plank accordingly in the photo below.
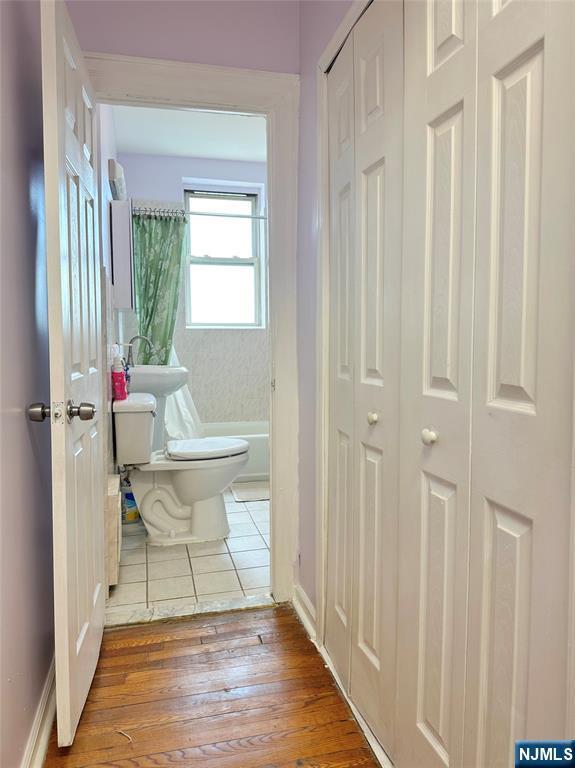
(164, 684)
(356, 758)
(243, 653)
(226, 659)
(245, 689)
(189, 733)
(135, 720)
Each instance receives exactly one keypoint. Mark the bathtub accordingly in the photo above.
(257, 435)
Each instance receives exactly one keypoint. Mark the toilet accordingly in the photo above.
(178, 489)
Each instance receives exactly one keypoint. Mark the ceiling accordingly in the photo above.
(190, 133)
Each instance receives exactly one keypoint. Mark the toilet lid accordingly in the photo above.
(205, 448)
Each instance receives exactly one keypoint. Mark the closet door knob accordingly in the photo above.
(429, 436)
(372, 418)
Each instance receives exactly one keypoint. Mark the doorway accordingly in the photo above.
(175, 85)
(209, 168)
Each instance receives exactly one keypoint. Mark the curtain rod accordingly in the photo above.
(139, 211)
(145, 211)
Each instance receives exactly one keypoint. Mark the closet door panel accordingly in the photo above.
(436, 380)
(378, 54)
(522, 409)
(342, 362)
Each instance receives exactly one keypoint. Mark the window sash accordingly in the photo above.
(255, 261)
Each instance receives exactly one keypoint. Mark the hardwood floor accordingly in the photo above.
(244, 689)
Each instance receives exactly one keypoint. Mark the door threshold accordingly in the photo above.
(122, 615)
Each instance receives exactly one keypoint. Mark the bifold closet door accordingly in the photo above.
(365, 95)
(378, 77)
(438, 265)
(522, 404)
(342, 277)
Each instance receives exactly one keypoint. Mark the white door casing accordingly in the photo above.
(378, 77)
(523, 375)
(74, 267)
(341, 493)
(437, 344)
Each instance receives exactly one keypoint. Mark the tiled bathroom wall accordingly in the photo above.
(229, 368)
(229, 371)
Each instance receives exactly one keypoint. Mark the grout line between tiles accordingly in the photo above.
(235, 569)
(192, 572)
(260, 533)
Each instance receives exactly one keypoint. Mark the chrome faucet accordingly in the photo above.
(130, 361)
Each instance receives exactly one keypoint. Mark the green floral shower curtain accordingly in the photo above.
(158, 247)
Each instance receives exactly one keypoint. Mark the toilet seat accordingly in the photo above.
(202, 448)
(159, 462)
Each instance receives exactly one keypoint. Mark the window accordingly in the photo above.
(225, 280)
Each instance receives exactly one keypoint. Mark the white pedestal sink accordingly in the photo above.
(160, 381)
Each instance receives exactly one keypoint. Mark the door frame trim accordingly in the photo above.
(322, 315)
(172, 84)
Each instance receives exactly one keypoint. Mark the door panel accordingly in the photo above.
(438, 264)
(342, 361)
(522, 404)
(438, 563)
(73, 262)
(378, 52)
(443, 270)
(371, 268)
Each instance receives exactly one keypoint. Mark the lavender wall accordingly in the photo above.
(26, 630)
(232, 33)
(318, 21)
(159, 177)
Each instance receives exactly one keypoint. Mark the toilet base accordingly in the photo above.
(168, 523)
(181, 502)
(208, 522)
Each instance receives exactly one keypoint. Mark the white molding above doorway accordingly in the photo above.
(175, 85)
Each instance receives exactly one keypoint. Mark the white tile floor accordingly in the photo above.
(179, 576)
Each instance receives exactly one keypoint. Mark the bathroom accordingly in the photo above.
(161, 162)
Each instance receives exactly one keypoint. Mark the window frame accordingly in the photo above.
(257, 261)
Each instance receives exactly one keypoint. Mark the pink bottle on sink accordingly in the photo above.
(119, 386)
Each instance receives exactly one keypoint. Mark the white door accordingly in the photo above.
(522, 403)
(341, 372)
(378, 67)
(73, 264)
(436, 380)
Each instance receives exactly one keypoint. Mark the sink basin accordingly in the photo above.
(158, 380)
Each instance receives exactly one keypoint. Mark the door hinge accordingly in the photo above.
(273, 385)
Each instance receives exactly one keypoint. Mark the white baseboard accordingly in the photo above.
(305, 610)
(306, 613)
(37, 744)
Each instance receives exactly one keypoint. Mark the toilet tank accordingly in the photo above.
(134, 428)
